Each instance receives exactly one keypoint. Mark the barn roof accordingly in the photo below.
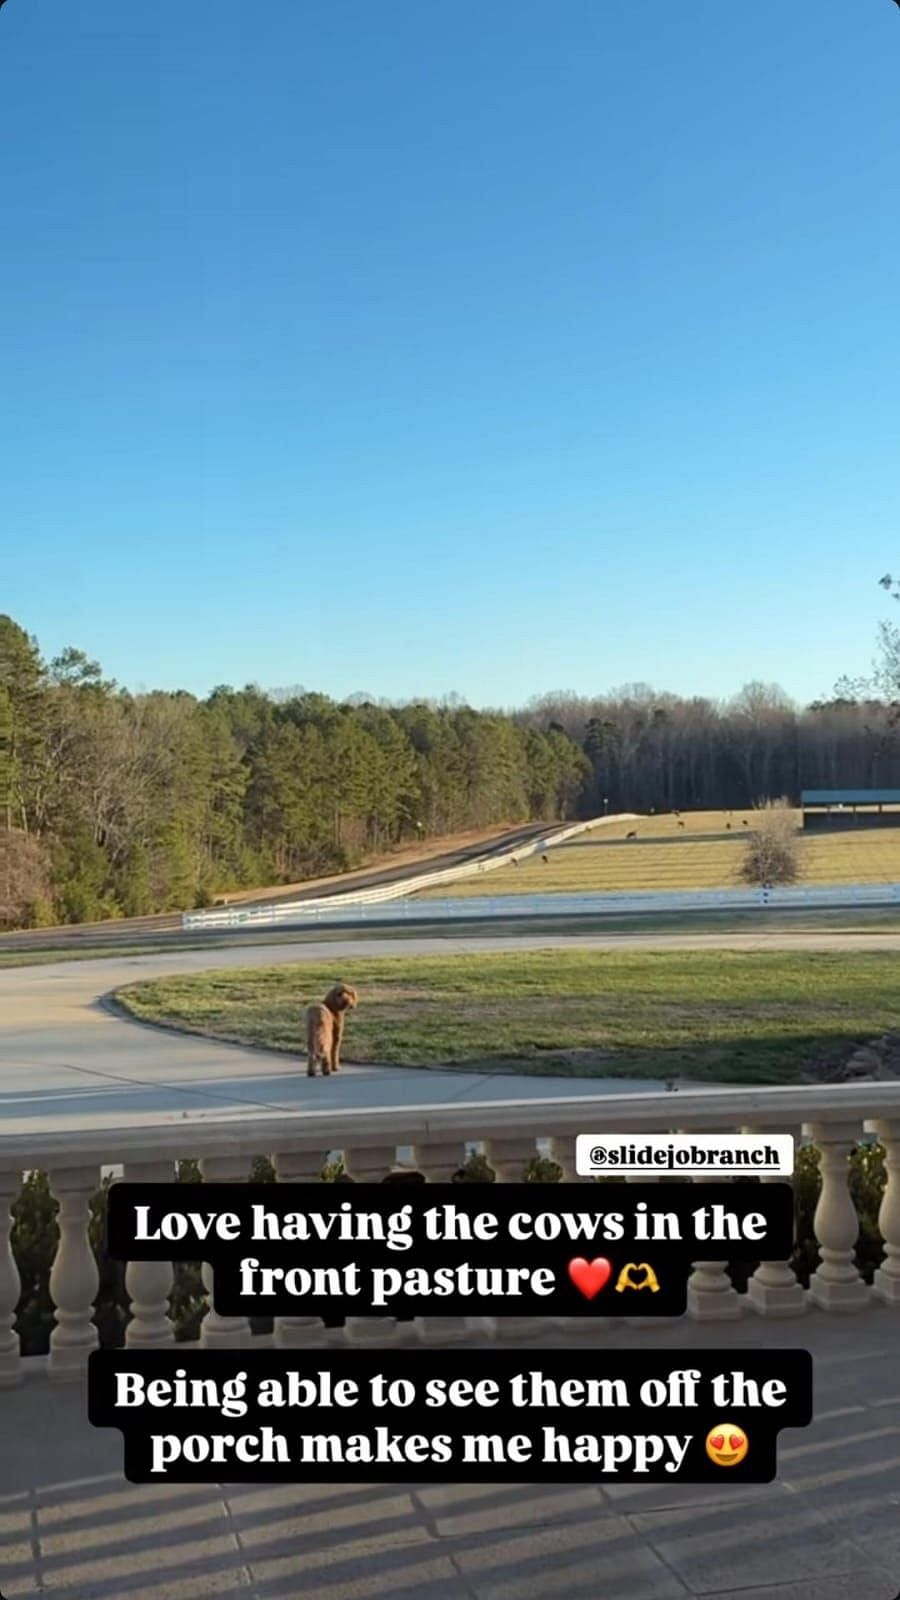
(850, 797)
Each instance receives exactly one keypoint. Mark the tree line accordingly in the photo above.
(120, 804)
(650, 750)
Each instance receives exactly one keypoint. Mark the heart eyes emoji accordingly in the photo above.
(726, 1444)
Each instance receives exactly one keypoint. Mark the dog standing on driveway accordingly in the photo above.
(325, 1030)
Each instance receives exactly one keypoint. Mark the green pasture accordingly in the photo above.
(713, 1016)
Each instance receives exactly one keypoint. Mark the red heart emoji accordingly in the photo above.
(735, 1440)
(590, 1276)
(718, 1441)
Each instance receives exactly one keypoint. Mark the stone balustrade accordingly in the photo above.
(435, 1142)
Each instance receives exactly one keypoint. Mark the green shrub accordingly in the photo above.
(35, 1236)
(39, 913)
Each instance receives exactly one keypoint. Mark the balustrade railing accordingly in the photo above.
(435, 1142)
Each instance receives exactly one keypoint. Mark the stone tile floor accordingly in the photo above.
(827, 1529)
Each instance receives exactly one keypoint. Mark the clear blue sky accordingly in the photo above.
(541, 345)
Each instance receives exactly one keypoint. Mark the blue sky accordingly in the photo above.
(541, 346)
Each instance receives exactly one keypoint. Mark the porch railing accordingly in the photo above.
(435, 1141)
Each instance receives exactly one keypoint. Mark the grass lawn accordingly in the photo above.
(725, 1017)
(706, 853)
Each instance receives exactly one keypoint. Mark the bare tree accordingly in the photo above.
(26, 897)
(771, 852)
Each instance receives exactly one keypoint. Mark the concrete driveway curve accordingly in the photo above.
(67, 1062)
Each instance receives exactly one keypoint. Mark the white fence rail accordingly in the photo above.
(607, 903)
(350, 910)
(334, 907)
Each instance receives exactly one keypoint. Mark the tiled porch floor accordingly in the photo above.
(828, 1529)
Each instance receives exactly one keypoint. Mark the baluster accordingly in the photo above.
(509, 1158)
(74, 1279)
(301, 1166)
(149, 1284)
(439, 1162)
(836, 1284)
(774, 1289)
(887, 1277)
(562, 1151)
(370, 1164)
(645, 1322)
(711, 1295)
(218, 1332)
(10, 1284)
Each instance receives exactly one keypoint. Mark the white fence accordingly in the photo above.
(598, 903)
(335, 907)
(350, 910)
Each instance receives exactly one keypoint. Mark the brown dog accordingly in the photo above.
(325, 1030)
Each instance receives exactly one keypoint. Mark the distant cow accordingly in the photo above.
(632, 835)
